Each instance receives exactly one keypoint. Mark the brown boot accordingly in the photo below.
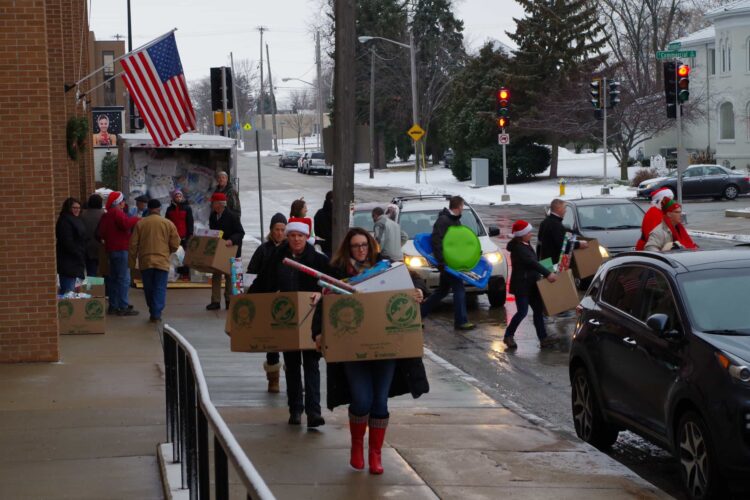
(272, 374)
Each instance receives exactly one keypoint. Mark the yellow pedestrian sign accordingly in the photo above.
(247, 127)
(415, 132)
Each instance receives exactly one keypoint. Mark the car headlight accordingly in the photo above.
(494, 257)
(604, 252)
(415, 261)
(735, 367)
(647, 186)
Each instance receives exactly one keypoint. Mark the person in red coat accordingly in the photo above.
(181, 215)
(654, 215)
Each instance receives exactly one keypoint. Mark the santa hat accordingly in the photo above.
(521, 228)
(218, 197)
(658, 195)
(114, 199)
(299, 225)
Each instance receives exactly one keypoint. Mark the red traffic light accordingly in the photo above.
(503, 94)
(683, 71)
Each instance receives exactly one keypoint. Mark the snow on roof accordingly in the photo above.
(734, 8)
(701, 36)
(185, 140)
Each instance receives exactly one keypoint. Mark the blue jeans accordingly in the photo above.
(294, 360)
(92, 266)
(155, 289)
(522, 305)
(67, 284)
(369, 385)
(448, 282)
(119, 279)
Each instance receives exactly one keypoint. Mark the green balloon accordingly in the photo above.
(461, 248)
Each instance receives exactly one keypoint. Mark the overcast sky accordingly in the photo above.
(208, 30)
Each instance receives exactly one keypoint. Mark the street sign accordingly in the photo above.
(415, 132)
(503, 139)
(674, 54)
(248, 127)
(674, 46)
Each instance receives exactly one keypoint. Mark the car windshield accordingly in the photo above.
(716, 300)
(363, 219)
(613, 216)
(318, 156)
(423, 220)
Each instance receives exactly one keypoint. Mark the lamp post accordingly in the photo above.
(318, 105)
(414, 98)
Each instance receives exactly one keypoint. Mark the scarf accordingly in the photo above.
(680, 234)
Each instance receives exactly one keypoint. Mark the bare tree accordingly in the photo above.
(301, 100)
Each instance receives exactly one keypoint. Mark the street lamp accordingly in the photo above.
(319, 106)
(414, 103)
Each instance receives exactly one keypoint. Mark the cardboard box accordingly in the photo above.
(368, 326)
(81, 316)
(270, 322)
(559, 296)
(396, 277)
(586, 261)
(210, 255)
(94, 286)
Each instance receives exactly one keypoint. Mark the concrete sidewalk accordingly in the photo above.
(454, 442)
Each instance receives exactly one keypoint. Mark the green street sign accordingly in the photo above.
(674, 46)
(674, 54)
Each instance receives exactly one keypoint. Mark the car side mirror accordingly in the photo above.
(493, 231)
(658, 323)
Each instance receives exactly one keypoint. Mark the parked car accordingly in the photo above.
(701, 181)
(316, 163)
(662, 348)
(615, 222)
(301, 161)
(289, 158)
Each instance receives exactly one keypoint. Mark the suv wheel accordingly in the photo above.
(731, 192)
(496, 292)
(695, 452)
(587, 416)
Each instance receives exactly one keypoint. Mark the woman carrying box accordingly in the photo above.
(367, 385)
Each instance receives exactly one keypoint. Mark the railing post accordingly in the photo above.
(192, 431)
(222, 473)
(204, 480)
(182, 372)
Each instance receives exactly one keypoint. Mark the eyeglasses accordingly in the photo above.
(360, 246)
(75, 207)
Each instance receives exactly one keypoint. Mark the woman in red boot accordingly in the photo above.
(367, 385)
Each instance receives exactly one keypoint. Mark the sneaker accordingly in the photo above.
(295, 419)
(466, 326)
(127, 312)
(315, 421)
(154, 319)
(111, 312)
(213, 306)
(509, 342)
(548, 341)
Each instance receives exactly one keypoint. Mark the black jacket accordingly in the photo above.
(526, 269)
(71, 246)
(230, 223)
(324, 227)
(551, 238)
(445, 220)
(410, 376)
(262, 257)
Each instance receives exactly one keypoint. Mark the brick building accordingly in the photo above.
(43, 46)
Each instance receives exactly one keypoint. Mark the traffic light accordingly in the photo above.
(670, 88)
(596, 93)
(503, 107)
(683, 83)
(613, 94)
(216, 101)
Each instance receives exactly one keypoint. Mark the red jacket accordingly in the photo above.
(115, 229)
(181, 216)
(653, 218)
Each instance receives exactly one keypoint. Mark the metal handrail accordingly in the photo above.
(188, 420)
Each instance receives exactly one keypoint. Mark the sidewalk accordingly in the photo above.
(454, 442)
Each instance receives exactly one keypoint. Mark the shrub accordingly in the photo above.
(524, 160)
(643, 174)
(109, 171)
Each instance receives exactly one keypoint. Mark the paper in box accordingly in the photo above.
(81, 316)
(559, 296)
(586, 261)
(94, 286)
(369, 326)
(209, 254)
(270, 322)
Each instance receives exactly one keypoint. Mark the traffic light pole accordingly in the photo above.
(224, 127)
(678, 112)
(505, 175)
(603, 91)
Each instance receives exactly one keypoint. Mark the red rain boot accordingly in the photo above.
(377, 436)
(357, 428)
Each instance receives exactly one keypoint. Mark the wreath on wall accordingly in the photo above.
(76, 132)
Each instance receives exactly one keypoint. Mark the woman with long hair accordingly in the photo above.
(71, 245)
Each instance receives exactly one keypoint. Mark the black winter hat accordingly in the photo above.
(154, 203)
(278, 218)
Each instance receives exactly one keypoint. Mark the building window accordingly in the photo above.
(723, 59)
(729, 59)
(712, 61)
(108, 61)
(726, 121)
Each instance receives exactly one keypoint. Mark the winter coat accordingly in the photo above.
(388, 235)
(90, 218)
(262, 257)
(324, 227)
(115, 228)
(526, 269)
(233, 199)
(551, 238)
(71, 246)
(445, 220)
(154, 240)
(231, 226)
(653, 219)
(410, 376)
(181, 216)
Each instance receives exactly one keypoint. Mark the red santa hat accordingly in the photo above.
(114, 199)
(659, 195)
(218, 197)
(521, 228)
(299, 225)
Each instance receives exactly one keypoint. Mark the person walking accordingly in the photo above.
(115, 229)
(228, 222)
(70, 247)
(388, 235)
(367, 385)
(154, 239)
(448, 217)
(670, 234)
(181, 215)
(277, 277)
(324, 225)
(259, 261)
(90, 218)
(226, 188)
(654, 215)
(526, 271)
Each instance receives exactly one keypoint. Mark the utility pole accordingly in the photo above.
(237, 113)
(273, 101)
(262, 115)
(345, 82)
(604, 114)
(131, 106)
(320, 92)
(372, 114)
(224, 127)
(414, 99)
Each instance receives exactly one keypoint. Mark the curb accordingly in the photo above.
(737, 213)
(742, 238)
(171, 474)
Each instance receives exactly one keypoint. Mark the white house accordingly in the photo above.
(720, 80)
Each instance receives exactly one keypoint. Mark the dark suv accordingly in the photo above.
(662, 348)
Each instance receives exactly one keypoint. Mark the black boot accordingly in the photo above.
(213, 306)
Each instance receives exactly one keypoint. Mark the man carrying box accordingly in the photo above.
(232, 233)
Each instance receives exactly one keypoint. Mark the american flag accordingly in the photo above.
(154, 78)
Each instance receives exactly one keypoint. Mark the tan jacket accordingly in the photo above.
(660, 239)
(154, 240)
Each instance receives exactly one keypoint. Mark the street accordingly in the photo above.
(535, 380)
